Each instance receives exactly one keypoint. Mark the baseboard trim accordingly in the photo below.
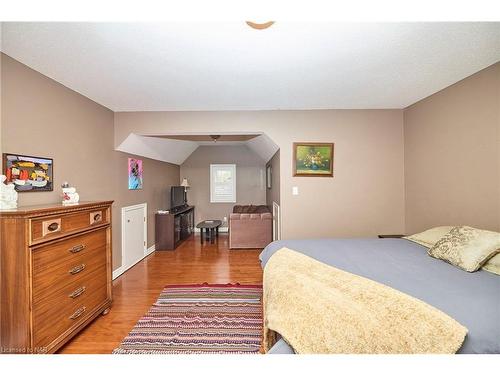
(120, 270)
(149, 250)
(221, 230)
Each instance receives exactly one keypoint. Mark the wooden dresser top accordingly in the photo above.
(51, 209)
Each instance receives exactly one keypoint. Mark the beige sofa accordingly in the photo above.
(250, 227)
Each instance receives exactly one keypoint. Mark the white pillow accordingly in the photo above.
(429, 237)
(493, 265)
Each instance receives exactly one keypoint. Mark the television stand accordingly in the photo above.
(173, 228)
(179, 209)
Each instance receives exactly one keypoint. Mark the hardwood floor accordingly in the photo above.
(137, 289)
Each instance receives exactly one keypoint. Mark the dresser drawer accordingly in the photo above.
(57, 315)
(56, 226)
(73, 290)
(65, 263)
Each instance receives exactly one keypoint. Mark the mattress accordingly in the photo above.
(473, 299)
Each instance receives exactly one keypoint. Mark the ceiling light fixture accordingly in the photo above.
(215, 137)
(260, 26)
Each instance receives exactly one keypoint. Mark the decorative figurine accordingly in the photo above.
(8, 195)
(70, 196)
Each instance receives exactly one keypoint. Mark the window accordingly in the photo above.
(222, 183)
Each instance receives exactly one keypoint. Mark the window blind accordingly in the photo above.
(223, 183)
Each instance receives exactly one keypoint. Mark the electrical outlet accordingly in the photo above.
(295, 190)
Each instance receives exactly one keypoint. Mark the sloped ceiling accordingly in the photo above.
(168, 150)
(263, 146)
(176, 149)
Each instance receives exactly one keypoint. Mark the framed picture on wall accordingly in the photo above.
(134, 174)
(29, 173)
(313, 159)
(269, 176)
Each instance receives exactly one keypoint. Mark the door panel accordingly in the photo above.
(133, 236)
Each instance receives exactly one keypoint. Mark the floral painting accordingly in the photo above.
(29, 173)
(313, 159)
(134, 174)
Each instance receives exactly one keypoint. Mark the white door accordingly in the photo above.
(134, 229)
(276, 222)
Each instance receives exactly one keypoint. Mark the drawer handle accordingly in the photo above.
(77, 269)
(76, 249)
(95, 217)
(53, 227)
(77, 292)
(78, 313)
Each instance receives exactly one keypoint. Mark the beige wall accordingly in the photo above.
(366, 196)
(158, 177)
(445, 168)
(40, 117)
(452, 155)
(273, 194)
(250, 179)
(498, 137)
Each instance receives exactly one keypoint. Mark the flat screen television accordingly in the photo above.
(177, 197)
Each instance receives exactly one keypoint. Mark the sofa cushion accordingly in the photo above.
(240, 209)
(262, 209)
(250, 209)
(263, 216)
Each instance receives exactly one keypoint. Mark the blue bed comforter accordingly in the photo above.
(473, 299)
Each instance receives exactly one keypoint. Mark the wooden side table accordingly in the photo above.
(212, 229)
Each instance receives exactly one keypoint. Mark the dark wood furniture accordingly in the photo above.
(212, 229)
(391, 235)
(55, 273)
(173, 228)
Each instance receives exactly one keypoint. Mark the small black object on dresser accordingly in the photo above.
(391, 235)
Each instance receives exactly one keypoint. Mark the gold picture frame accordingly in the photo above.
(313, 159)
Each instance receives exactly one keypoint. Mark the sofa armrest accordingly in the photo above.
(250, 230)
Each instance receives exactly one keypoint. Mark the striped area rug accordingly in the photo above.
(200, 319)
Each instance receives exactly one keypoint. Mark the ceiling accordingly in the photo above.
(176, 149)
(193, 66)
(207, 138)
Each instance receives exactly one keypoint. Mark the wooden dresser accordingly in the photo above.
(55, 273)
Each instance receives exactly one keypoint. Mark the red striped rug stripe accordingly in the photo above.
(200, 319)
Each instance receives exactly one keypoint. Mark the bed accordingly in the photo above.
(473, 299)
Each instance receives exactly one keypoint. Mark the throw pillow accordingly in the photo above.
(466, 247)
(493, 265)
(429, 237)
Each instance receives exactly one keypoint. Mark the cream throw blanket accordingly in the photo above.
(317, 308)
